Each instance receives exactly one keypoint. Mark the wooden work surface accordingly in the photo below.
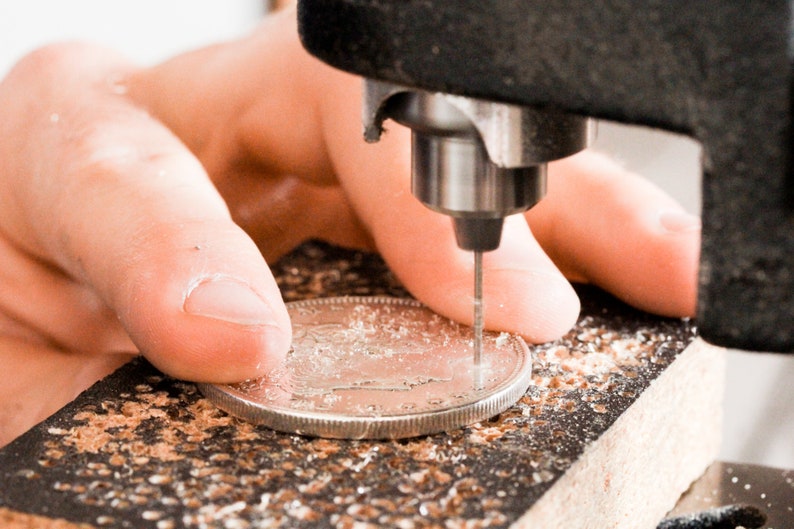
(142, 450)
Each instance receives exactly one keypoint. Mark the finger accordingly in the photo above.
(602, 224)
(121, 205)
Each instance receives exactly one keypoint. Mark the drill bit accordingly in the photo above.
(478, 319)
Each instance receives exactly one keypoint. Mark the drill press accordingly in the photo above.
(476, 161)
(718, 71)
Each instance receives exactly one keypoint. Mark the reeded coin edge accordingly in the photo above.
(380, 300)
(330, 425)
(376, 427)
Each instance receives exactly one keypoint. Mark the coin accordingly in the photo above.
(379, 368)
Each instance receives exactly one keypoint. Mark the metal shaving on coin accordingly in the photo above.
(379, 368)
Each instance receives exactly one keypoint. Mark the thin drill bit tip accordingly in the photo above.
(478, 317)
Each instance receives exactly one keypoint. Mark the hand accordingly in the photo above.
(140, 207)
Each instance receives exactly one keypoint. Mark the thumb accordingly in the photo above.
(132, 213)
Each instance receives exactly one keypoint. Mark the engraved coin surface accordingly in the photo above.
(379, 368)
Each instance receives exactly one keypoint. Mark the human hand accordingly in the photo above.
(140, 207)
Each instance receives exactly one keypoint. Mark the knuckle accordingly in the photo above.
(54, 62)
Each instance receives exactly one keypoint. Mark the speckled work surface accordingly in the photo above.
(143, 450)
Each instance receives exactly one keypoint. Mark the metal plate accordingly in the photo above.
(731, 488)
(379, 368)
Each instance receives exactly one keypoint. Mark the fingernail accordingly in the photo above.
(679, 221)
(229, 300)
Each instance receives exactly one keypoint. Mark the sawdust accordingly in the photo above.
(18, 520)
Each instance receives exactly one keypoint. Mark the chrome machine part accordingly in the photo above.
(476, 161)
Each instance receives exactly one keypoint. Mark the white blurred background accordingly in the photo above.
(759, 405)
(759, 396)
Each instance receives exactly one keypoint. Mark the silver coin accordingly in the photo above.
(379, 368)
